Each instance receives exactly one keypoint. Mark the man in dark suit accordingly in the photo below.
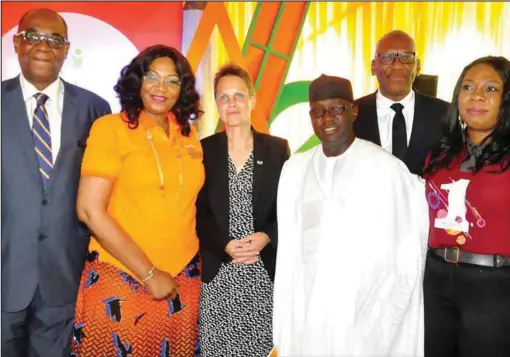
(401, 120)
(45, 122)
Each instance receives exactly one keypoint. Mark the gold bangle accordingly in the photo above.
(149, 275)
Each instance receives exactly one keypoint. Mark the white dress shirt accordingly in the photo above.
(385, 117)
(53, 106)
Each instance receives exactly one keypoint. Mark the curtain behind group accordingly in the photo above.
(339, 38)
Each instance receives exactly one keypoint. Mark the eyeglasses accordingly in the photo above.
(34, 38)
(169, 82)
(389, 57)
(337, 110)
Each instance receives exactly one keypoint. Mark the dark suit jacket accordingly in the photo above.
(270, 153)
(426, 131)
(43, 243)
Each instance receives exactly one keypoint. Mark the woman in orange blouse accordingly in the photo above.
(141, 173)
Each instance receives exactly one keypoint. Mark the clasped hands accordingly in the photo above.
(247, 250)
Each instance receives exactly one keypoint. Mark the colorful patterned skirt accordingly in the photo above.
(116, 316)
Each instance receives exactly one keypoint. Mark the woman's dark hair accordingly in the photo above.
(497, 150)
(130, 82)
(232, 69)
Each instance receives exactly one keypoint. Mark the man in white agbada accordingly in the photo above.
(352, 233)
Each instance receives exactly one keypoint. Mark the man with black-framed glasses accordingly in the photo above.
(396, 117)
(45, 124)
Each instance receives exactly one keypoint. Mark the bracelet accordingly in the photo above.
(149, 275)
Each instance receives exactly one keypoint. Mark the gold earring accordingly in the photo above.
(461, 122)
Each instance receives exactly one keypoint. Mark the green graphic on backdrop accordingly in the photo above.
(292, 94)
(269, 48)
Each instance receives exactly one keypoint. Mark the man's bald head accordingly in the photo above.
(395, 36)
(40, 13)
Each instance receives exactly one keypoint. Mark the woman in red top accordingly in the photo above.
(467, 275)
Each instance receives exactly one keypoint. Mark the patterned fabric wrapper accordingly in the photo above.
(116, 316)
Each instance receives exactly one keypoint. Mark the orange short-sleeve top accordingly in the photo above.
(156, 179)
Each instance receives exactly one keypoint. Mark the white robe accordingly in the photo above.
(350, 256)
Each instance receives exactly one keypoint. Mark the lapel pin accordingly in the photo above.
(260, 162)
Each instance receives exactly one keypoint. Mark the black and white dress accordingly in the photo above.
(235, 316)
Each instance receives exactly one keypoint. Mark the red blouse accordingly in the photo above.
(470, 211)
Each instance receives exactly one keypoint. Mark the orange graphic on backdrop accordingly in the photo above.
(287, 17)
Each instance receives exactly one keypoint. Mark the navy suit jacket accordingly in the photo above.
(43, 243)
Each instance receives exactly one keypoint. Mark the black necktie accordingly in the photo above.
(399, 137)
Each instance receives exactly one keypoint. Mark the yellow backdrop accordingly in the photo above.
(340, 39)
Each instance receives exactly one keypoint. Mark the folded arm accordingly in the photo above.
(391, 318)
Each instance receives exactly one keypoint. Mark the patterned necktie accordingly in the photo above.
(399, 135)
(42, 139)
